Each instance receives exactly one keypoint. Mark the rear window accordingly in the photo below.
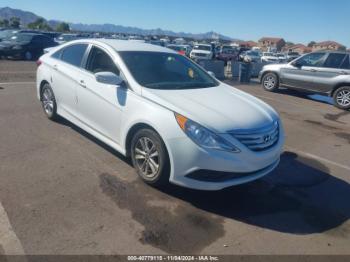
(346, 63)
(334, 60)
(74, 54)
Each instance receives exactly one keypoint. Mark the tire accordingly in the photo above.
(341, 97)
(28, 56)
(48, 102)
(150, 157)
(270, 82)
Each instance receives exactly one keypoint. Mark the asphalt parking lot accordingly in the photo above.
(64, 192)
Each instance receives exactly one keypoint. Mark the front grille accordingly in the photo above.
(258, 139)
(217, 176)
(200, 54)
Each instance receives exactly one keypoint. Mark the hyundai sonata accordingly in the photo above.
(175, 120)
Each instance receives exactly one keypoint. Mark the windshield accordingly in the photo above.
(20, 38)
(252, 53)
(202, 47)
(166, 71)
(5, 34)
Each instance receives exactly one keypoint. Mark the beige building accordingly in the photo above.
(328, 45)
(271, 42)
(299, 48)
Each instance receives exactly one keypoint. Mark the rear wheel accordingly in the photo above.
(270, 82)
(28, 56)
(48, 102)
(341, 97)
(150, 157)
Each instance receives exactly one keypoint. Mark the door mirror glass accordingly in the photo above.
(109, 78)
(211, 74)
(297, 64)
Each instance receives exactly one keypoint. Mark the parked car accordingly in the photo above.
(8, 33)
(282, 58)
(320, 72)
(227, 54)
(269, 57)
(181, 49)
(26, 46)
(202, 51)
(253, 56)
(291, 56)
(63, 38)
(170, 116)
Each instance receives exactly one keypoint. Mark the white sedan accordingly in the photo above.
(175, 120)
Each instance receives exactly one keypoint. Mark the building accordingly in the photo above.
(299, 48)
(268, 43)
(328, 45)
(247, 44)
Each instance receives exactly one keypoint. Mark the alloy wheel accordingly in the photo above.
(269, 82)
(147, 157)
(48, 101)
(343, 98)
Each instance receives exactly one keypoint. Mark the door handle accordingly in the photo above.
(82, 83)
(55, 67)
(343, 73)
(313, 70)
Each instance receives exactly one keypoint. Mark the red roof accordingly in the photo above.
(329, 43)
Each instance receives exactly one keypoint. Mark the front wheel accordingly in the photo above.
(150, 157)
(270, 82)
(341, 97)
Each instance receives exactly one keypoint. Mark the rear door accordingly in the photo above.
(335, 67)
(66, 75)
(302, 76)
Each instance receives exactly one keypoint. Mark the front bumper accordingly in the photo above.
(188, 158)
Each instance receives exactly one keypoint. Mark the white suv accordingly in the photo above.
(202, 51)
(175, 120)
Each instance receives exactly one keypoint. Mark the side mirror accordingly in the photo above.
(297, 64)
(211, 74)
(109, 78)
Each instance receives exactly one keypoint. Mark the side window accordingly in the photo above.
(334, 60)
(346, 63)
(57, 54)
(313, 60)
(100, 61)
(74, 54)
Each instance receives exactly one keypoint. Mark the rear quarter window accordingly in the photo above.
(74, 54)
(346, 63)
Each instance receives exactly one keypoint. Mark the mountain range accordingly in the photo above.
(29, 17)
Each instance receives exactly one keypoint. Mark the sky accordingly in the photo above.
(298, 21)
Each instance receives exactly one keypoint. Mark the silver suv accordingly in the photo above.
(325, 72)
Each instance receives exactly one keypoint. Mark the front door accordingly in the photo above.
(101, 105)
(301, 73)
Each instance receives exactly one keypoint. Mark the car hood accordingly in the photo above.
(221, 109)
(11, 43)
(270, 57)
(201, 52)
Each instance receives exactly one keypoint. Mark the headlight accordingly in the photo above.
(17, 47)
(202, 136)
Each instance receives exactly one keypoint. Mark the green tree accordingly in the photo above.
(15, 22)
(4, 23)
(289, 43)
(63, 27)
(311, 44)
(40, 24)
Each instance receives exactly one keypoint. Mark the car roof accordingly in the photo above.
(30, 34)
(127, 45)
(332, 51)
